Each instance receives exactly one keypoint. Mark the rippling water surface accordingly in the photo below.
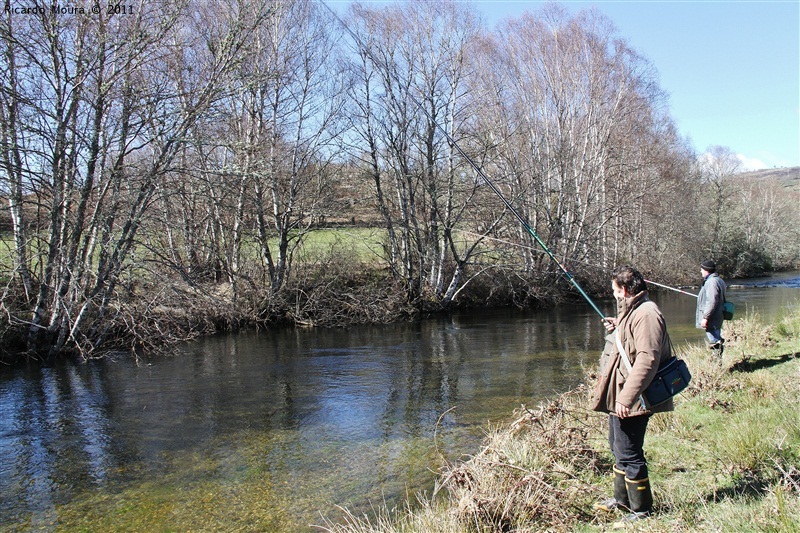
(276, 430)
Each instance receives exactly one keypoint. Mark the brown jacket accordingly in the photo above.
(643, 333)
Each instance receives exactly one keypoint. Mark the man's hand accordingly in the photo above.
(704, 323)
(610, 323)
(623, 411)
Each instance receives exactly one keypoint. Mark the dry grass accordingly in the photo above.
(725, 460)
(535, 474)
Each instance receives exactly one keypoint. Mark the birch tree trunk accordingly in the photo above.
(111, 106)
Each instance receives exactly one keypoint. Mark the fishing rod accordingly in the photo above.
(591, 265)
(671, 288)
(477, 169)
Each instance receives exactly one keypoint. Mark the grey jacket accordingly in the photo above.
(709, 302)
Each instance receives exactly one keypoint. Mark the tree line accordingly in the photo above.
(162, 168)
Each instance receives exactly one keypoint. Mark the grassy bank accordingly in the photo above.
(725, 460)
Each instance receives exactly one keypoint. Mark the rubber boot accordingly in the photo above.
(641, 499)
(716, 350)
(620, 499)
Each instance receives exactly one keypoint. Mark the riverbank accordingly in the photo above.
(725, 460)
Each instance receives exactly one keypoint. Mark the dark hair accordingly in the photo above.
(629, 278)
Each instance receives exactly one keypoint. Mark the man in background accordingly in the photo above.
(709, 307)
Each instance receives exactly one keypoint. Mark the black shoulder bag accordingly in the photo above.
(671, 378)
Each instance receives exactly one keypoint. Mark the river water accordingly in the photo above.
(280, 430)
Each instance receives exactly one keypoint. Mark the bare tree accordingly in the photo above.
(744, 218)
(765, 213)
(411, 70)
(717, 165)
(582, 138)
(280, 120)
(108, 103)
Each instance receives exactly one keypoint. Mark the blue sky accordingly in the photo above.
(731, 68)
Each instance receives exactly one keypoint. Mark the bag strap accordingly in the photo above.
(622, 350)
(626, 361)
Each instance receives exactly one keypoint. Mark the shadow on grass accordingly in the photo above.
(747, 365)
(748, 485)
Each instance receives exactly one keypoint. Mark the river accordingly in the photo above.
(279, 430)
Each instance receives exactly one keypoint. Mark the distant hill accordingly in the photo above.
(788, 177)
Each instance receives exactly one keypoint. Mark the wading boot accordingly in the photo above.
(620, 499)
(716, 350)
(641, 499)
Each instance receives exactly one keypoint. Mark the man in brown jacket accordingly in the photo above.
(639, 328)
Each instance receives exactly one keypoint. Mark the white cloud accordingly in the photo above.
(751, 163)
(710, 159)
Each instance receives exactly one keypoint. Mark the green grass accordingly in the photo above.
(6, 256)
(364, 245)
(360, 245)
(725, 460)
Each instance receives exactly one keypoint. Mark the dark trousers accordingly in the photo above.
(626, 437)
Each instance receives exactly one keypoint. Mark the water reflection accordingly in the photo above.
(280, 425)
